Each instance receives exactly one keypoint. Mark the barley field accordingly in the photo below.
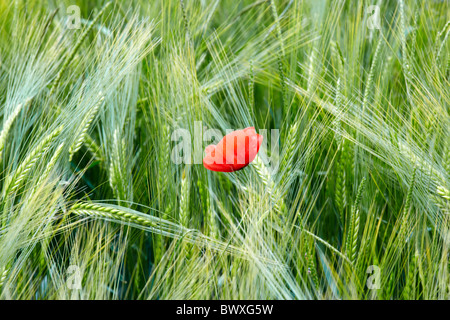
(349, 198)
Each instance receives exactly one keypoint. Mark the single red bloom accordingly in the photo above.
(235, 151)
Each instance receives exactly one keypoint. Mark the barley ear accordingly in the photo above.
(369, 81)
(184, 200)
(409, 290)
(93, 148)
(94, 210)
(3, 274)
(312, 268)
(36, 154)
(51, 164)
(85, 125)
(405, 216)
(210, 216)
(8, 123)
(353, 230)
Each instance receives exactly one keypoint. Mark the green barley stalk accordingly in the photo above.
(185, 21)
(90, 209)
(348, 158)
(46, 27)
(369, 81)
(438, 48)
(251, 91)
(402, 233)
(424, 165)
(210, 217)
(278, 26)
(157, 225)
(446, 155)
(116, 168)
(312, 268)
(443, 192)
(410, 191)
(262, 171)
(352, 238)
(164, 158)
(51, 164)
(390, 286)
(284, 98)
(93, 148)
(291, 148)
(8, 123)
(409, 290)
(280, 57)
(160, 241)
(326, 244)
(311, 72)
(338, 60)
(354, 234)
(340, 190)
(265, 176)
(423, 277)
(338, 103)
(85, 125)
(406, 64)
(345, 161)
(414, 33)
(442, 199)
(71, 55)
(32, 158)
(3, 274)
(184, 201)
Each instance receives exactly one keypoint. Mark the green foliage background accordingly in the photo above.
(87, 179)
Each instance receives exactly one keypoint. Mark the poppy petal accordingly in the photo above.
(235, 151)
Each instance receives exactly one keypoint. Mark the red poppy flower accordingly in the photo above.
(235, 151)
